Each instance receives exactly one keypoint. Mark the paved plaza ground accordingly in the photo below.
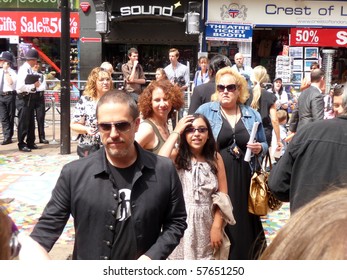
(30, 178)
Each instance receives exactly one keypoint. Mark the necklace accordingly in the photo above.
(233, 149)
(230, 118)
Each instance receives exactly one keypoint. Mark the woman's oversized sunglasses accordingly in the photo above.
(230, 88)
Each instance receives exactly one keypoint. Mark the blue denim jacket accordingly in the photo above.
(212, 112)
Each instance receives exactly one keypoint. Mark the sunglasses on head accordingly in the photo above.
(119, 126)
(193, 129)
(230, 88)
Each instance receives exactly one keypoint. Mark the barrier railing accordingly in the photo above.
(52, 98)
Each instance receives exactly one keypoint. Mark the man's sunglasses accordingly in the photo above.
(119, 126)
(230, 88)
(193, 129)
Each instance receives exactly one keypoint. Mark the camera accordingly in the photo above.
(180, 81)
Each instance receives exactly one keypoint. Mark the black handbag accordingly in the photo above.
(84, 150)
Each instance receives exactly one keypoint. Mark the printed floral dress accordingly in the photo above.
(85, 111)
(198, 186)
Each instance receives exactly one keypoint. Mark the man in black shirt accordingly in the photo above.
(127, 203)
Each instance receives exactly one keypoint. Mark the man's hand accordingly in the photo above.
(144, 258)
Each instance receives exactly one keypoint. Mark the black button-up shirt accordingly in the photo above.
(85, 191)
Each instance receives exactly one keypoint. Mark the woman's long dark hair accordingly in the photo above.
(279, 91)
(209, 151)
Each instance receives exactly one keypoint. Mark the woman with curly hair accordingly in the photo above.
(156, 104)
(84, 118)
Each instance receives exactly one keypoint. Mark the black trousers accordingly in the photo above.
(38, 100)
(7, 114)
(26, 120)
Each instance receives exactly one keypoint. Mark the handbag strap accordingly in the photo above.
(263, 164)
(268, 159)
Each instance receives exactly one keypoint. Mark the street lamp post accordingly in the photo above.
(65, 134)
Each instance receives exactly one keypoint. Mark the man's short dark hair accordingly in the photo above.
(218, 62)
(132, 50)
(314, 64)
(119, 96)
(317, 75)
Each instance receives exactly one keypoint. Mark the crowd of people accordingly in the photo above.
(144, 189)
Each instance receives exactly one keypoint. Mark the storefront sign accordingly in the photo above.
(229, 32)
(35, 4)
(318, 37)
(149, 10)
(279, 13)
(37, 24)
(168, 9)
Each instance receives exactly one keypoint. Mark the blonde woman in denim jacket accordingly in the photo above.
(232, 123)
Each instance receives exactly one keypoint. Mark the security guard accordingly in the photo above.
(26, 114)
(8, 79)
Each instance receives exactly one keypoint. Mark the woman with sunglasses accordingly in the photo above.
(232, 123)
(201, 171)
(156, 104)
(84, 119)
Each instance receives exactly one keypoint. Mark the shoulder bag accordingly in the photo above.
(260, 198)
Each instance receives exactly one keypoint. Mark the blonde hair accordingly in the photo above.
(258, 78)
(90, 89)
(317, 231)
(240, 82)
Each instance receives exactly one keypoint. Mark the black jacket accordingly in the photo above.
(201, 95)
(85, 191)
(314, 161)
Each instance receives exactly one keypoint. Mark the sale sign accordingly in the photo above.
(332, 37)
(37, 24)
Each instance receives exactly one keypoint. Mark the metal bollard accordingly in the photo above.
(53, 120)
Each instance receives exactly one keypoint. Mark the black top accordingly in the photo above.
(124, 243)
(86, 191)
(266, 100)
(201, 94)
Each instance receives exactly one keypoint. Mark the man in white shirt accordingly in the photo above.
(26, 114)
(177, 72)
(8, 79)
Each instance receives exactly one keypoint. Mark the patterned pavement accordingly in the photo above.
(30, 178)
